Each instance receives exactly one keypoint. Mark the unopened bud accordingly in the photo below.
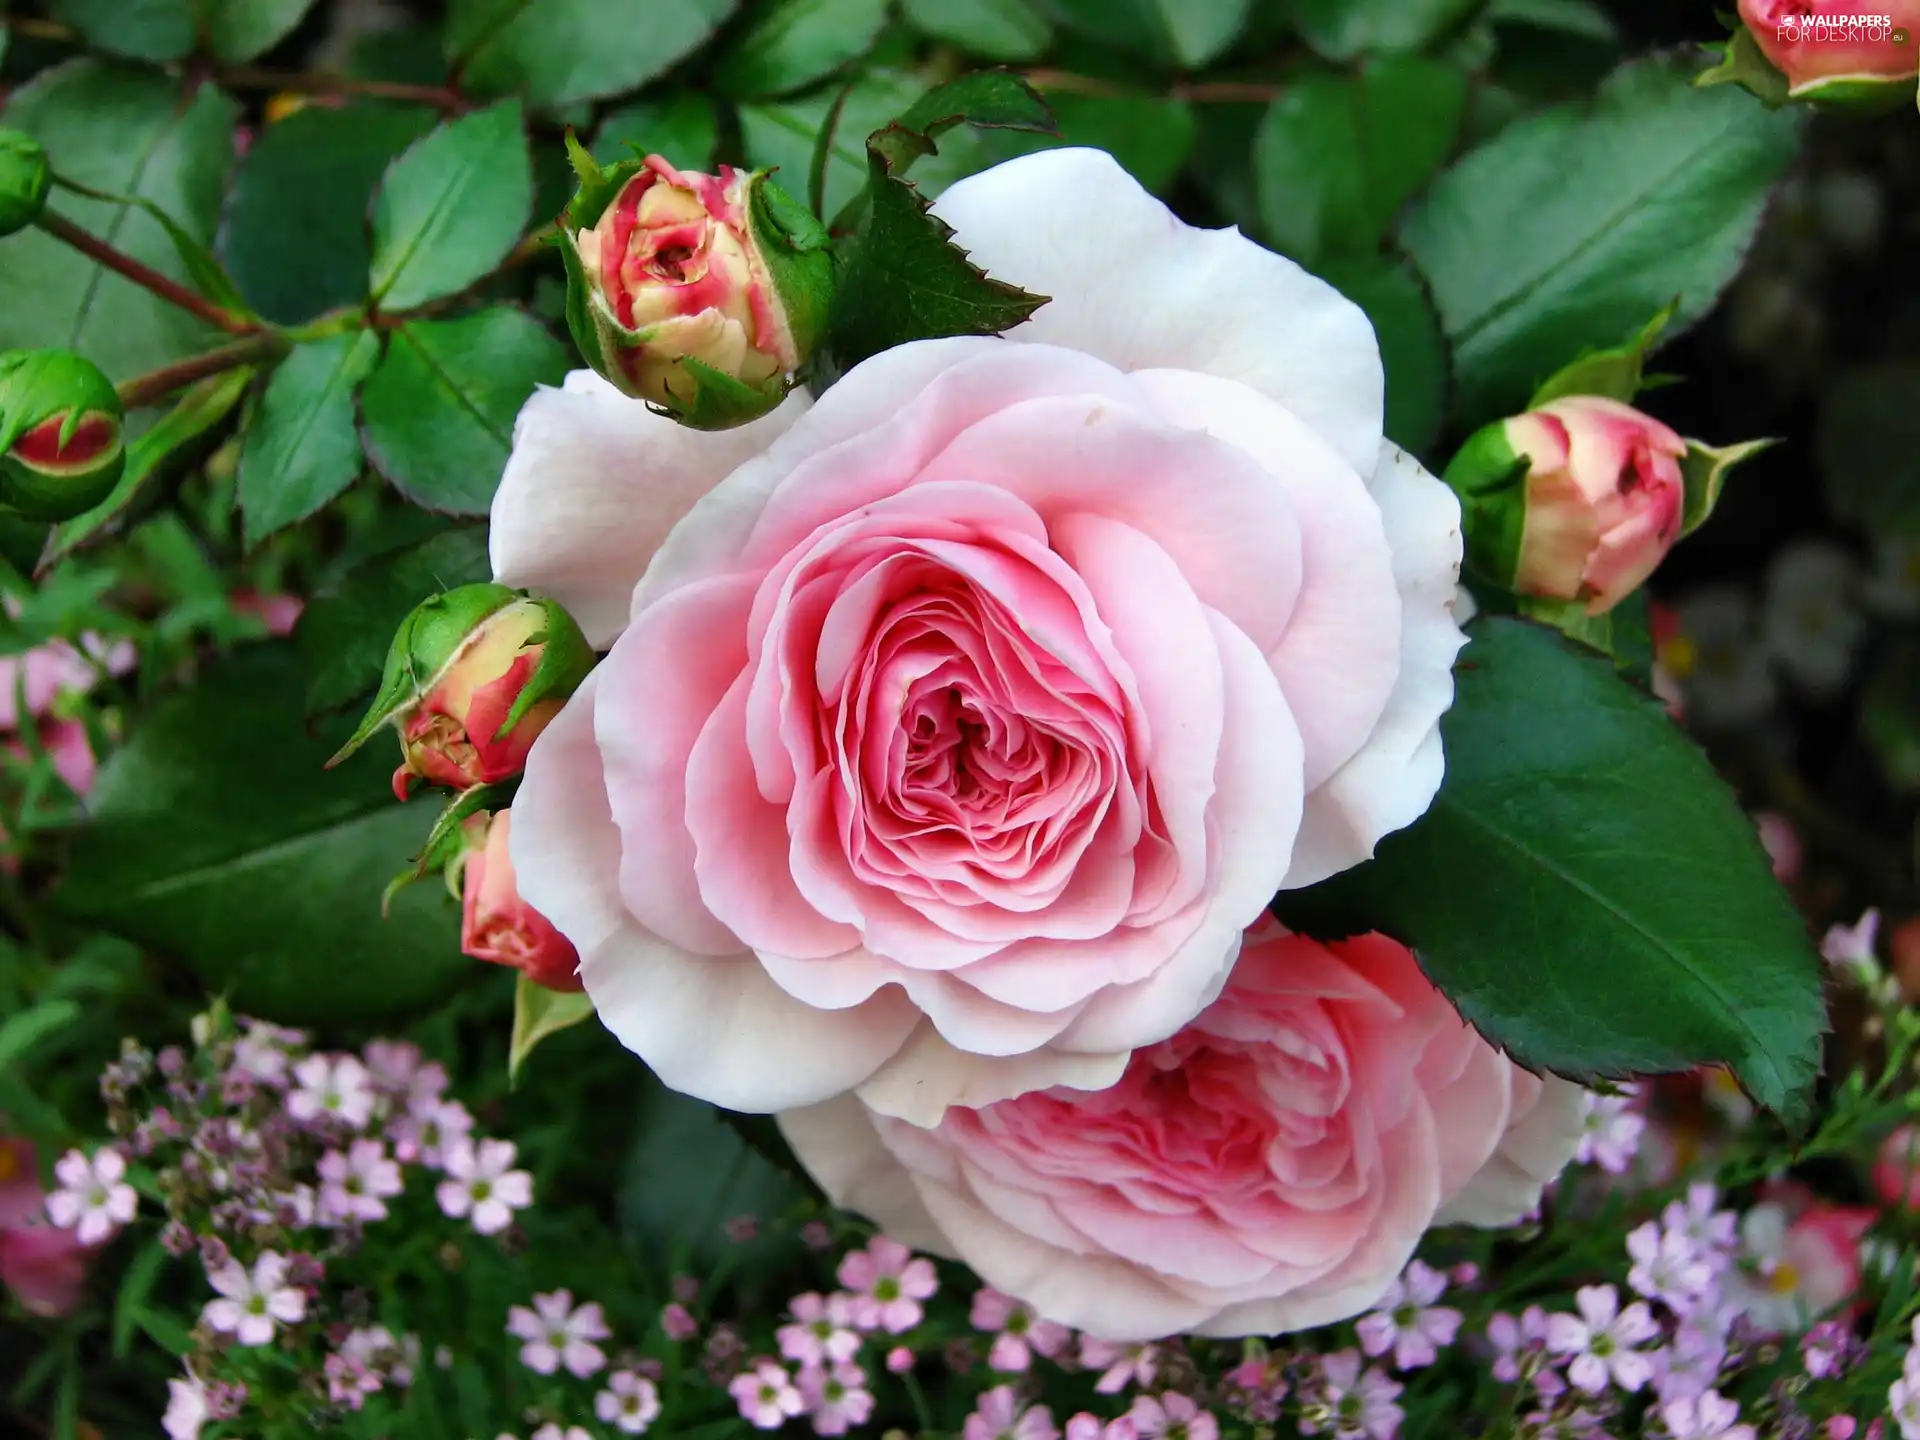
(496, 925)
(1835, 52)
(24, 179)
(61, 450)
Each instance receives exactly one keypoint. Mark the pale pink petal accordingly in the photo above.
(1540, 1141)
(928, 1074)
(845, 1155)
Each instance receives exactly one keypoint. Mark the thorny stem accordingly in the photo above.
(248, 77)
(156, 385)
(145, 276)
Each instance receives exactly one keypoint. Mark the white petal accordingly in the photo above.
(1394, 777)
(562, 842)
(1133, 284)
(595, 482)
(928, 1074)
(1536, 1148)
(837, 1143)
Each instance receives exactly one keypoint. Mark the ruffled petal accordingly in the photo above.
(837, 1143)
(1538, 1145)
(928, 1074)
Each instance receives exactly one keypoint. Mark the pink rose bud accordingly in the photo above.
(472, 679)
(496, 925)
(1838, 51)
(700, 293)
(1577, 501)
(61, 451)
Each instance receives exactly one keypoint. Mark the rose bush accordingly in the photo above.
(955, 728)
(1269, 1168)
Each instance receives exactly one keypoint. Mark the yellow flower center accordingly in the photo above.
(1785, 1278)
(1680, 656)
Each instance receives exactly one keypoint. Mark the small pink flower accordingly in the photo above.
(1407, 1322)
(766, 1395)
(1603, 1340)
(94, 1199)
(889, 1283)
(1084, 1427)
(1714, 1232)
(1022, 1333)
(357, 1183)
(251, 1303)
(1842, 1427)
(999, 1415)
(349, 1380)
(1514, 1341)
(481, 1181)
(429, 1130)
(837, 1397)
(552, 1431)
(187, 1409)
(1706, 1417)
(1122, 1365)
(821, 1332)
(1668, 1267)
(1849, 948)
(1612, 1135)
(677, 1322)
(264, 1051)
(336, 1086)
(1355, 1404)
(557, 1334)
(1172, 1417)
(630, 1402)
(900, 1360)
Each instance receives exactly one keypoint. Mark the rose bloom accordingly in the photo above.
(957, 723)
(1269, 1168)
(1820, 44)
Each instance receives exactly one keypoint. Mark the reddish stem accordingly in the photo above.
(145, 276)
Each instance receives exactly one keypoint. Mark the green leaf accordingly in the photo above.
(683, 127)
(797, 42)
(344, 633)
(438, 411)
(137, 29)
(239, 30)
(1616, 374)
(300, 450)
(1336, 158)
(1006, 30)
(1173, 33)
(1527, 267)
(1869, 447)
(989, 99)
(127, 132)
(554, 52)
(20, 1032)
(296, 233)
(216, 836)
(199, 410)
(136, 1288)
(1585, 889)
(1412, 347)
(1342, 29)
(451, 208)
(1578, 19)
(537, 1013)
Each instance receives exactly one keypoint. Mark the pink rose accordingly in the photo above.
(958, 723)
(44, 1267)
(1896, 1169)
(496, 924)
(46, 673)
(1826, 48)
(1269, 1168)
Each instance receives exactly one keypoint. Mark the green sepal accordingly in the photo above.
(25, 177)
(1616, 374)
(427, 641)
(1861, 94)
(794, 246)
(537, 1013)
(1705, 469)
(600, 185)
(565, 660)
(1491, 481)
(1742, 63)
(36, 386)
(721, 401)
(445, 843)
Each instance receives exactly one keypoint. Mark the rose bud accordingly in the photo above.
(24, 179)
(61, 450)
(1579, 500)
(700, 293)
(472, 679)
(496, 925)
(1832, 52)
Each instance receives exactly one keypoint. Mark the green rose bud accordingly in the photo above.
(60, 443)
(24, 178)
(700, 293)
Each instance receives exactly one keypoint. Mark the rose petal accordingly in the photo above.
(845, 1156)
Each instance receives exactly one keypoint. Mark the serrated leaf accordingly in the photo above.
(1526, 267)
(1585, 888)
(438, 411)
(301, 449)
(537, 1013)
(796, 43)
(555, 52)
(1010, 31)
(1412, 348)
(451, 208)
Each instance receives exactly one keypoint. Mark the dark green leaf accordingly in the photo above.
(296, 232)
(21, 1032)
(138, 29)
(1184, 34)
(1005, 30)
(451, 208)
(1411, 345)
(1528, 267)
(684, 127)
(1149, 136)
(1336, 158)
(344, 633)
(1869, 447)
(990, 99)
(217, 837)
(1342, 29)
(1585, 889)
(797, 42)
(239, 30)
(1580, 19)
(552, 52)
(537, 1013)
(126, 132)
(438, 411)
(300, 449)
